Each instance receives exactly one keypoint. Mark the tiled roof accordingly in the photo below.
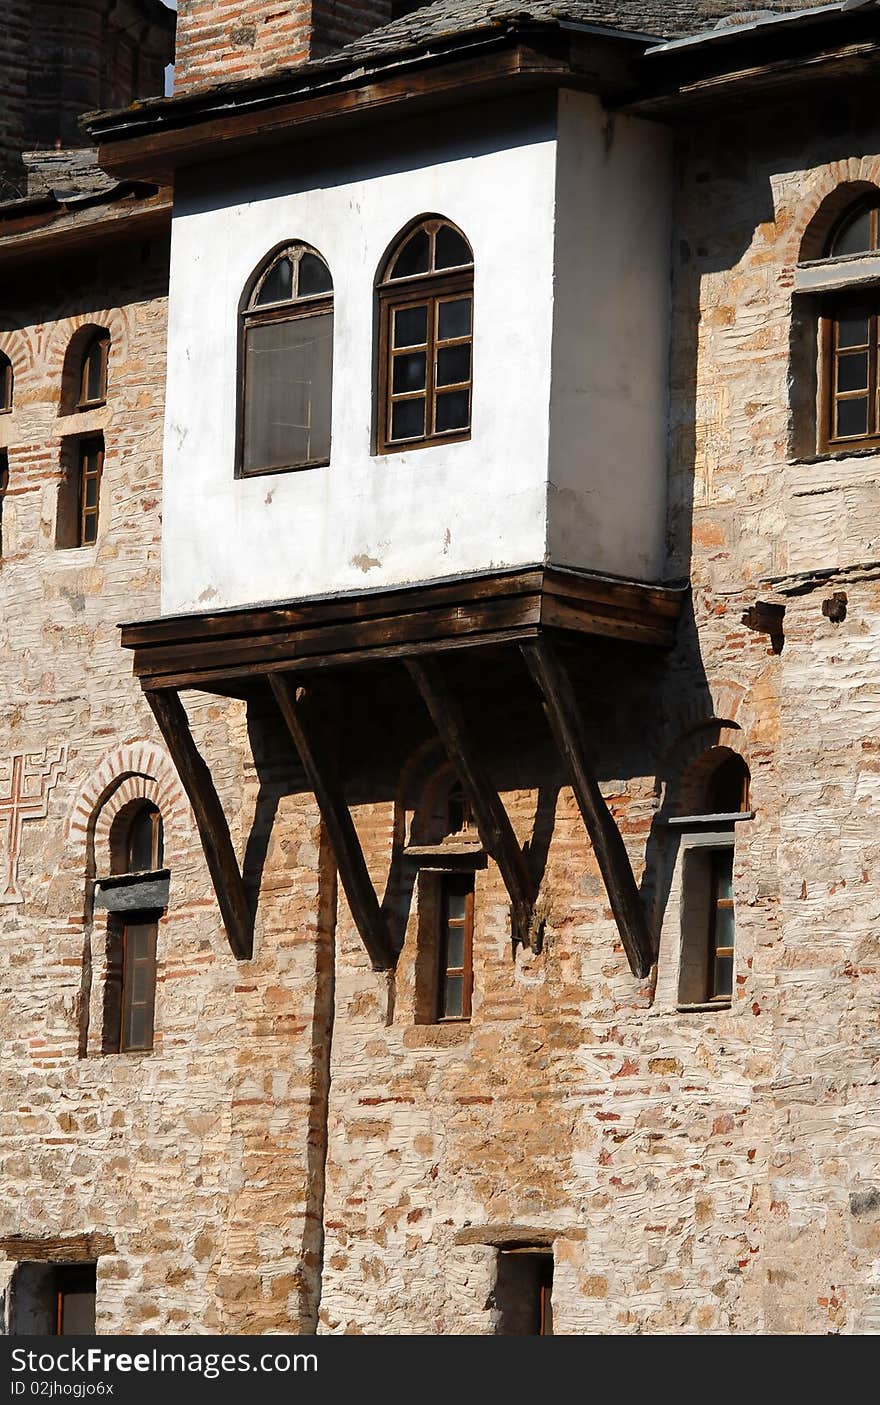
(663, 18)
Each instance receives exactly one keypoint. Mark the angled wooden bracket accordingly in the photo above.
(195, 778)
(347, 852)
(563, 716)
(491, 818)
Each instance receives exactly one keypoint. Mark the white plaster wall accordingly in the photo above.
(607, 495)
(364, 521)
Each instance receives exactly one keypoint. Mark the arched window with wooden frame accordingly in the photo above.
(286, 364)
(849, 411)
(92, 378)
(7, 384)
(426, 315)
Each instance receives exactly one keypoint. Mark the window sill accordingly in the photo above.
(704, 1006)
(386, 450)
(242, 474)
(707, 821)
(838, 455)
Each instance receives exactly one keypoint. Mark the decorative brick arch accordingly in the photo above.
(138, 770)
(833, 188)
(112, 320)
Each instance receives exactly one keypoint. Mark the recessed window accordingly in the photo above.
(135, 895)
(144, 843)
(54, 1299)
(524, 1292)
(7, 384)
(850, 342)
(426, 310)
(79, 495)
(287, 364)
(93, 372)
(455, 947)
(4, 489)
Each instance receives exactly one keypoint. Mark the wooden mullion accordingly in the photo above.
(196, 780)
(324, 781)
(492, 821)
(563, 716)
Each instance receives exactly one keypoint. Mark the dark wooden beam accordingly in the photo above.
(324, 781)
(490, 816)
(563, 716)
(195, 778)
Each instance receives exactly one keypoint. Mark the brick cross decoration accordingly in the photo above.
(26, 782)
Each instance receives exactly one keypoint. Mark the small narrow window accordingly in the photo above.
(135, 894)
(455, 947)
(850, 343)
(287, 365)
(426, 309)
(144, 842)
(138, 985)
(93, 372)
(7, 384)
(4, 489)
(91, 469)
(524, 1292)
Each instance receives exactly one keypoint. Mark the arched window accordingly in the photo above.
(426, 308)
(92, 378)
(144, 840)
(286, 364)
(850, 336)
(135, 895)
(7, 384)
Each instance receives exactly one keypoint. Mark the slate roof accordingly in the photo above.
(664, 19)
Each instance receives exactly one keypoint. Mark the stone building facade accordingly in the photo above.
(307, 1147)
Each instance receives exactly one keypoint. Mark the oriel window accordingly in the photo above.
(286, 364)
(426, 312)
(850, 336)
(7, 384)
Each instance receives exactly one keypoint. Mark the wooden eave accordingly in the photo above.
(237, 120)
(72, 229)
(207, 651)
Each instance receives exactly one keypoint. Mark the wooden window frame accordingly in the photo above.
(84, 477)
(713, 996)
(293, 310)
(7, 385)
(421, 289)
(101, 340)
(466, 970)
(836, 307)
(151, 921)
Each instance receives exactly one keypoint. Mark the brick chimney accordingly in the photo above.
(219, 41)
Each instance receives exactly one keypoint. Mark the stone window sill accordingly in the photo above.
(703, 1006)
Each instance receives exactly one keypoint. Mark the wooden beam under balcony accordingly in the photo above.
(347, 852)
(564, 718)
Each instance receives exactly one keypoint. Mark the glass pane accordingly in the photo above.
(724, 927)
(94, 377)
(453, 365)
(852, 371)
(408, 419)
(453, 410)
(314, 277)
(77, 1315)
(277, 286)
(140, 982)
(411, 326)
(455, 948)
(140, 841)
(409, 372)
(91, 492)
(852, 418)
(450, 249)
(454, 319)
(413, 257)
(455, 904)
(855, 236)
(137, 941)
(90, 529)
(722, 861)
(852, 331)
(289, 374)
(453, 991)
(723, 975)
(137, 1027)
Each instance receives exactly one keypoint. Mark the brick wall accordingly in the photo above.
(222, 40)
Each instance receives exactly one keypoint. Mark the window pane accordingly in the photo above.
(409, 372)
(94, 377)
(140, 841)
(453, 410)
(453, 365)
(77, 1315)
(314, 277)
(411, 326)
(137, 941)
(852, 371)
(455, 948)
(140, 982)
(413, 257)
(91, 492)
(854, 237)
(289, 370)
(408, 419)
(454, 319)
(137, 1027)
(723, 975)
(277, 286)
(450, 250)
(90, 530)
(455, 904)
(852, 418)
(452, 996)
(724, 932)
(723, 864)
(852, 331)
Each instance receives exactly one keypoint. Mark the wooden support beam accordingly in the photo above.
(563, 716)
(321, 775)
(490, 816)
(195, 778)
